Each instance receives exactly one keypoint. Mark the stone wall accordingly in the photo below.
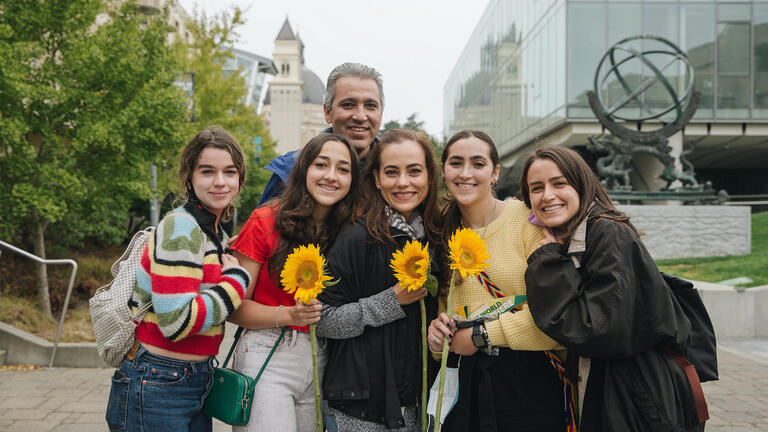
(680, 231)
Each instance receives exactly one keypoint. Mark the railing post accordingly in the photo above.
(69, 288)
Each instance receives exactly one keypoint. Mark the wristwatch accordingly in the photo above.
(480, 336)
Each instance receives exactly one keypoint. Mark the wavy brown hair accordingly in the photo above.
(215, 137)
(295, 206)
(372, 205)
(593, 199)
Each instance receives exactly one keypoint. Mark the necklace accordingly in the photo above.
(490, 218)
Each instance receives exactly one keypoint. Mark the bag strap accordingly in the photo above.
(693, 380)
(238, 333)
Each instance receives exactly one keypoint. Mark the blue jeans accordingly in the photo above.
(155, 393)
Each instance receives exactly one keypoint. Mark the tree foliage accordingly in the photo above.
(413, 123)
(86, 101)
(220, 98)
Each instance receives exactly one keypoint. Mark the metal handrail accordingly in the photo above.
(69, 289)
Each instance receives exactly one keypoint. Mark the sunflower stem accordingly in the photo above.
(444, 356)
(423, 366)
(316, 379)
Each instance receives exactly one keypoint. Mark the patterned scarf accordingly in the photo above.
(414, 228)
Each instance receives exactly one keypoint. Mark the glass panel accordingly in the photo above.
(760, 100)
(733, 48)
(660, 19)
(697, 34)
(732, 97)
(733, 12)
(623, 22)
(586, 30)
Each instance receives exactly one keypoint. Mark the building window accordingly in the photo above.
(733, 47)
(761, 61)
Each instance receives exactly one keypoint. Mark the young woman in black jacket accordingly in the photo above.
(373, 376)
(593, 287)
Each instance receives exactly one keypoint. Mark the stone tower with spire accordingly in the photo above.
(293, 106)
(285, 91)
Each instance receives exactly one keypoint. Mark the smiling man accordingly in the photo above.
(353, 106)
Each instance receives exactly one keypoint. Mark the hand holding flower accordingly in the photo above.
(406, 296)
(302, 314)
(440, 328)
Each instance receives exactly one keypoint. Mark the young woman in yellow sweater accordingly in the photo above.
(506, 382)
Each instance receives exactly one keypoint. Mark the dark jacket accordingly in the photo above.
(372, 375)
(617, 310)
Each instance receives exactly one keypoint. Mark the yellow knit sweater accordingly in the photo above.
(509, 239)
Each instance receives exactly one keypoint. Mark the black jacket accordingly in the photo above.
(617, 310)
(372, 375)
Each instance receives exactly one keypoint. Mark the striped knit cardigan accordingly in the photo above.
(192, 294)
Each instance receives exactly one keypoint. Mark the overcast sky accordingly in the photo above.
(414, 44)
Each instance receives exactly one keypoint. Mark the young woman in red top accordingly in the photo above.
(317, 201)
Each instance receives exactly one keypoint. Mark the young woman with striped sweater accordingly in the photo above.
(194, 285)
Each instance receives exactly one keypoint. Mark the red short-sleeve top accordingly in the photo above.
(258, 240)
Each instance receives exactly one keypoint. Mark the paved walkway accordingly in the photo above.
(65, 399)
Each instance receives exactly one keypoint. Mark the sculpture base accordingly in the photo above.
(683, 231)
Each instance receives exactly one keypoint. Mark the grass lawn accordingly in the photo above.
(714, 269)
(24, 314)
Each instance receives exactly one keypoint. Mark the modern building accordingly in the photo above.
(293, 106)
(524, 74)
(254, 70)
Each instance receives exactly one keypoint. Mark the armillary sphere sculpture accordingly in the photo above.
(633, 85)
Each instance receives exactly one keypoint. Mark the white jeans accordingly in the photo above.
(284, 398)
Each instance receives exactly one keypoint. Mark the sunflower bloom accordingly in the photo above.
(411, 265)
(303, 274)
(468, 253)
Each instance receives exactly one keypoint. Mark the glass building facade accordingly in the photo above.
(254, 69)
(528, 65)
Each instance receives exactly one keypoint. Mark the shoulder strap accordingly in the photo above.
(238, 333)
(693, 380)
(139, 238)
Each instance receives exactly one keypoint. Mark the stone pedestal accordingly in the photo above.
(682, 231)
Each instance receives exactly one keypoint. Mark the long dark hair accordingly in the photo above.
(593, 199)
(293, 220)
(215, 137)
(372, 205)
(451, 216)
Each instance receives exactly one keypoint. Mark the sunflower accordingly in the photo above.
(411, 265)
(303, 273)
(468, 253)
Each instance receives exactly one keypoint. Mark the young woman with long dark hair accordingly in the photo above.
(373, 378)
(317, 201)
(506, 381)
(593, 287)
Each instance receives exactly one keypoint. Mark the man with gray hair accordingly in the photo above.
(353, 106)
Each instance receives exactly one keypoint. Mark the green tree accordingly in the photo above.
(84, 108)
(413, 123)
(219, 97)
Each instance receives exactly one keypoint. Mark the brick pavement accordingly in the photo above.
(67, 399)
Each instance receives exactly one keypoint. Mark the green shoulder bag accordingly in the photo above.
(231, 394)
